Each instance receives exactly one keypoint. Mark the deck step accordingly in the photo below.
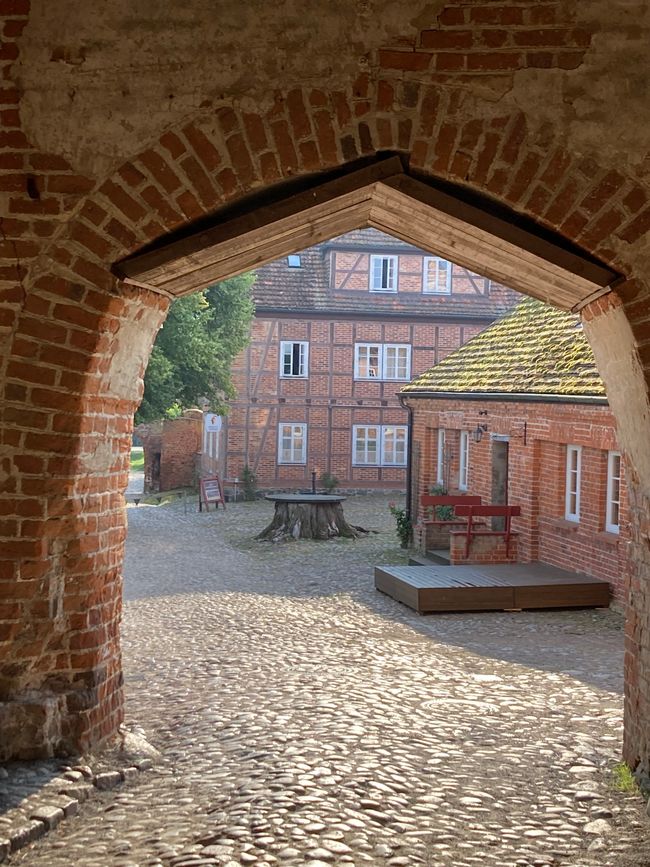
(431, 558)
(422, 560)
(440, 555)
(428, 588)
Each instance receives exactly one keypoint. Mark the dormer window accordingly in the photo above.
(383, 273)
(293, 261)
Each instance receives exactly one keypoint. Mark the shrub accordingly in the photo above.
(442, 513)
(403, 524)
(248, 484)
(329, 482)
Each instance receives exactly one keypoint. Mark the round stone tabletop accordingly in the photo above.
(313, 499)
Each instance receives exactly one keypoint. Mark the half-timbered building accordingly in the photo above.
(338, 330)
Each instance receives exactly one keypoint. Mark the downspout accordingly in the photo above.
(409, 454)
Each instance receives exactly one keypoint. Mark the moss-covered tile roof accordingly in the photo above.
(535, 349)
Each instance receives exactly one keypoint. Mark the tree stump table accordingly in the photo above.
(308, 516)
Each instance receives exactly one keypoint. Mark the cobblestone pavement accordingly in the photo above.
(303, 718)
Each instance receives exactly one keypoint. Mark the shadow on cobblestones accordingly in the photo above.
(304, 718)
(584, 644)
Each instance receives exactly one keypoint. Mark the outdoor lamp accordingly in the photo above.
(477, 434)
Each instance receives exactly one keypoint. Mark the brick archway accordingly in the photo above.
(78, 339)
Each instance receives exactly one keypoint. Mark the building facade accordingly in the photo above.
(338, 330)
(519, 416)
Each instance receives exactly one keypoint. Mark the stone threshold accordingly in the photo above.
(42, 806)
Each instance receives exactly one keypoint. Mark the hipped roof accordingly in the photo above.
(535, 349)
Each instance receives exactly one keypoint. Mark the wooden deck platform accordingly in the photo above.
(490, 588)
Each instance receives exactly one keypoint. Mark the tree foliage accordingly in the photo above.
(195, 347)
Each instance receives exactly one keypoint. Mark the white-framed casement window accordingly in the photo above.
(613, 497)
(292, 443)
(436, 275)
(572, 483)
(367, 361)
(383, 273)
(294, 358)
(463, 465)
(382, 361)
(397, 361)
(393, 445)
(440, 458)
(366, 444)
(379, 445)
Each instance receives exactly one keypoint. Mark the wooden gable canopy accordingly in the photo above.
(386, 197)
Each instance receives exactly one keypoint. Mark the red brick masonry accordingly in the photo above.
(538, 437)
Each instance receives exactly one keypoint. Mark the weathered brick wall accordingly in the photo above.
(536, 476)
(182, 439)
(103, 151)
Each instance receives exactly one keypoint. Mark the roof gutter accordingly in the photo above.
(439, 317)
(507, 396)
(409, 455)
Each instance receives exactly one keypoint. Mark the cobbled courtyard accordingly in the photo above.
(304, 718)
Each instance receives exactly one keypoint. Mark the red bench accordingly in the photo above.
(477, 511)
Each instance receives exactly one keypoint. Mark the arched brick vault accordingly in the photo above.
(76, 340)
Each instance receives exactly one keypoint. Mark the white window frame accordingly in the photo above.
(381, 443)
(384, 366)
(463, 461)
(366, 347)
(303, 363)
(392, 273)
(300, 458)
(440, 458)
(366, 439)
(403, 437)
(382, 362)
(573, 472)
(429, 288)
(612, 504)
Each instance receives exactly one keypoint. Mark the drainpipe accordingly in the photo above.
(409, 455)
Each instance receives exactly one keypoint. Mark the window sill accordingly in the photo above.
(371, 379)
(294, 376)
(433, 292)
(562, 524)
(379, 466)
(606, 537)
(385, 291)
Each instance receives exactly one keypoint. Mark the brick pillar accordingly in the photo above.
(73, 382)
(611, 332)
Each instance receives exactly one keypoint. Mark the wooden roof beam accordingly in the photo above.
(385, 197)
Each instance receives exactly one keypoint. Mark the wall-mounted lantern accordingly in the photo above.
(477, 433)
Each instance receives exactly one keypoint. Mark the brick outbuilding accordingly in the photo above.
(519, 415)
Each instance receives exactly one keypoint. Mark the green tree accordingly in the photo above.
(195, 347)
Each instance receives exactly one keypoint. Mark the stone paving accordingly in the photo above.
(303, 718)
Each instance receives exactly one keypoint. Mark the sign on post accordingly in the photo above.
(212, 422)
(211, 492)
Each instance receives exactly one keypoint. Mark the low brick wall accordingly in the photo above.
(433, 536)
(482, 549)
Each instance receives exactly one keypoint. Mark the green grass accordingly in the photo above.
(137, 459)
(623, 779)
